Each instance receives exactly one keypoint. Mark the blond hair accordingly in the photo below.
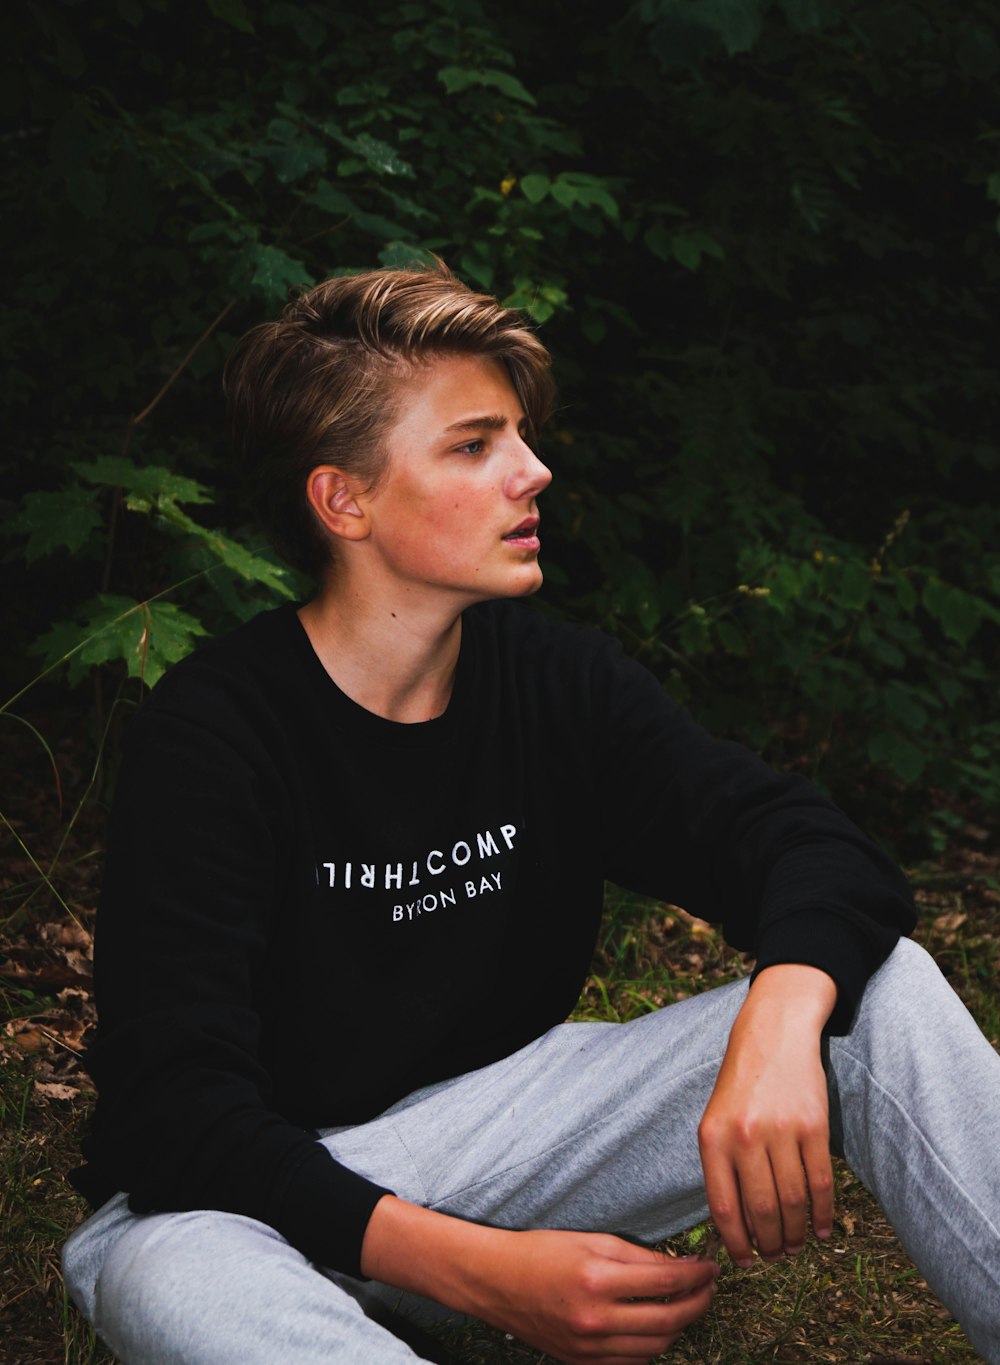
(317, 386)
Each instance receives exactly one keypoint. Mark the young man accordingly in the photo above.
(354, 879)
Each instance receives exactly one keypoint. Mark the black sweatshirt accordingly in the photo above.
(309, 911)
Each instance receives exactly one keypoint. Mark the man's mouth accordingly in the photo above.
(525, 531)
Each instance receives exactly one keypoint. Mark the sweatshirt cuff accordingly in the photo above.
(815, 938)
(325, 1212)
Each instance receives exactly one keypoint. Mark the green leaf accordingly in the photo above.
(146, 485)
(689, 247)
(87, 191)
(374, 225)
(693, 633)
(574, 187)
(245, 564)
(564, 192)
(403, 255)
(660, 241)
(855, 586)
(784, 584)
(886, 652)
(899, 753)
(207, 232)
(232, 12)
(648, 611)
(63, 519)
(593, 326)
(686, 251)
(739, 23)
(536, 307)
(804, 16)
(72, 146)
(291, 151)
(458, 78)
(370, 93)
(68, 56)
(230, 553)
(906, 593)
(405, 205)
(146, 636)
(977, 52)
(272, 271)
(331, 199)
(958, 612)
(540, 301)
(535, 187)
(731, 638)
(904, 704)
(152, 489)
(308, 25)
(477, 269)
(686, 246)
(379, 156)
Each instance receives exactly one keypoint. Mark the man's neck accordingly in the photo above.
(397, 661)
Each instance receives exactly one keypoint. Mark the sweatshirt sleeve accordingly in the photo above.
(184, 1118)
(706, 824)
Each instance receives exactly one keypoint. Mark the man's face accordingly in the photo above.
(455, 512)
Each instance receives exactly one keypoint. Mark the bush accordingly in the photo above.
(761, 241)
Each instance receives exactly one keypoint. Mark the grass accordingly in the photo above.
(38, 1325)
(857, 1299)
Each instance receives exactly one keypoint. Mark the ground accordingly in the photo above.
(857, 1299)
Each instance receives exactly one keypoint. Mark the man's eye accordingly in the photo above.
(473, 447)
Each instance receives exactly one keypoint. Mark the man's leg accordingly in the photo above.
(915, 1099)
(216, 1289)
(226, 1290)
(595, 1127)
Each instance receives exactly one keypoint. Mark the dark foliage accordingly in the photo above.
(759, 237)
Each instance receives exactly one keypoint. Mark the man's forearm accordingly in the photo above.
(577, 1296)
(793, 991)
(430, 1253)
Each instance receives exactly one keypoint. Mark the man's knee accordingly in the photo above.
(908, 1022)
(906, 985)
(909, 959)
(169, 1275)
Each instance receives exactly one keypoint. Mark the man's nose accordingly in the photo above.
(529, 477)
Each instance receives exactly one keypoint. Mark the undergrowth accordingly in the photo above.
(858, 1298)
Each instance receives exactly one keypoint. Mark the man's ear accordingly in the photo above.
(338, 502)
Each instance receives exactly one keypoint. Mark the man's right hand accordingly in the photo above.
(580, 1297)
(585, 1297)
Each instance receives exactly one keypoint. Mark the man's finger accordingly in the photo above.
(760, 1195)
(790, 1181)
(666, 1277)
(819, 1176)
(725, 1203)
(659, 1327)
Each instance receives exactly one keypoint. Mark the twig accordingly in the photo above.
(950, 880)
(37, 866)
(60, 1042)
(216, 321)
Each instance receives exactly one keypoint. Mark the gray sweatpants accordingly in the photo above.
(593, 1126)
